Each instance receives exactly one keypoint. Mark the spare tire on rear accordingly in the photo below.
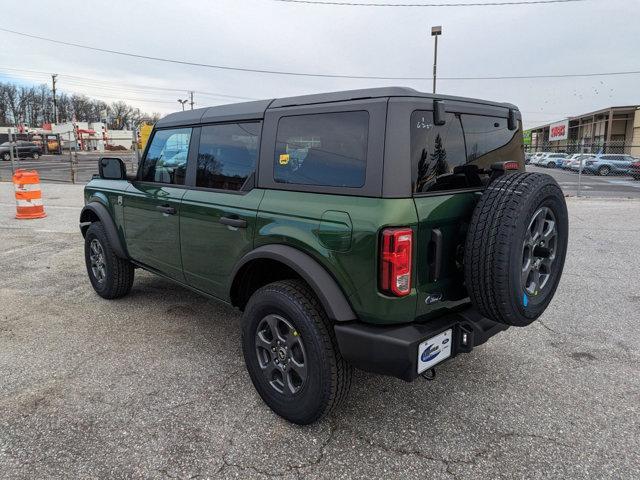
(515, 247)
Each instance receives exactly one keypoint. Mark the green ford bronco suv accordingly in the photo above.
(383, 229)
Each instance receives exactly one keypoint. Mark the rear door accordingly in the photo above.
(152, 202)
(218, 212)
(445, 200)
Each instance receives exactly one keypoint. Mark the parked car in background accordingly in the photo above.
(608, 164)
(537, 157)
(634, 171)
(552, 160)
(568, 159)
(527, 158)
(574, 164)
(20, 149)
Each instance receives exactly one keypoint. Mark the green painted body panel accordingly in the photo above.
(294, 218)
(107, 192)
(450, 214)
(210, 250)
(153, 237)
(340, 232)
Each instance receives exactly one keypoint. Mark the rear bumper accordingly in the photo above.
(393, 350)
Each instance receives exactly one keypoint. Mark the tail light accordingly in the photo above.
(395, 261)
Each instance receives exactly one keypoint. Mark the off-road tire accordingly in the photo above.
(119, 271)
(329, 375)
(493, 258)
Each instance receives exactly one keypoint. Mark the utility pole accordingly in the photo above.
(191, 102)
(435, 32)
(55, 103)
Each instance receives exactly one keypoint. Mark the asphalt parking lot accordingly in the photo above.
(153, 385)
(612, 186)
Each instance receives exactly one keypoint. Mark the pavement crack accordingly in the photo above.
(548, 327)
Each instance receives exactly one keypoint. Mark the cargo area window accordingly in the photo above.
(227, 155)
(435, 151)
(489, 140)
(166, 159)
(326, 149)
(439, 153)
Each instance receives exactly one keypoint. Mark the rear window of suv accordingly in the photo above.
(464, 139)
(327, 149)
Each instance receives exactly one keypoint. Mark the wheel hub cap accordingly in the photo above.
(281, 354)
(539, 251)
(97, 261)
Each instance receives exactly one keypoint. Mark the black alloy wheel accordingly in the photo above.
(539, 251)
(281, 354)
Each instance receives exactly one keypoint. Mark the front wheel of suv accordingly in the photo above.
(291, 352)
(110, 275)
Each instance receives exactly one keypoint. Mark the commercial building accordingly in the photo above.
(610, 130)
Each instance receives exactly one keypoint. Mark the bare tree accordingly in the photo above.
(34, 106)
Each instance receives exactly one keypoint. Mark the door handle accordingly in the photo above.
(233, 222)
(168, 209)
(435, 255)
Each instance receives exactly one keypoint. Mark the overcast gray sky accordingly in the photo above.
(575, 37)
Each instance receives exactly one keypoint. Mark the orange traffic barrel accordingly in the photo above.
(28, 194)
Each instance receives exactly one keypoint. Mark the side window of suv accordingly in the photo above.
(327, 149)
(435, 150)
(227, 155)
(166, 159)
(489, 140)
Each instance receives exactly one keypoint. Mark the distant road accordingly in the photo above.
(56, 168)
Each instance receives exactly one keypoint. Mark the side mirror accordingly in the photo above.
(112, 168)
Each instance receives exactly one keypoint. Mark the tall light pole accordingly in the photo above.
(182, 102)
(55, 103)
(435, 32)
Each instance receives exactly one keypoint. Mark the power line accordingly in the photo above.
(319, 75)
(121, 84)
(475, 4)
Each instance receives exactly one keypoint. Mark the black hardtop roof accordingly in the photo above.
(255, 110)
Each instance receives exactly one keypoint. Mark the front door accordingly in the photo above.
(152, 203)
(217, 218)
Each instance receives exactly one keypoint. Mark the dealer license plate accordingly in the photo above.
(434, 350)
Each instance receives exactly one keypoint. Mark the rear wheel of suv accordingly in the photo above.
(35, 155)
(291, 352)
(6, 156)
(515, 248)
(110, 275)
(604, 170)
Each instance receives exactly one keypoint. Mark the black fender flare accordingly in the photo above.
(100, 211)
(321, 282)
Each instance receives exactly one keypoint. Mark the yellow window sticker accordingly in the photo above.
(284, 158)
